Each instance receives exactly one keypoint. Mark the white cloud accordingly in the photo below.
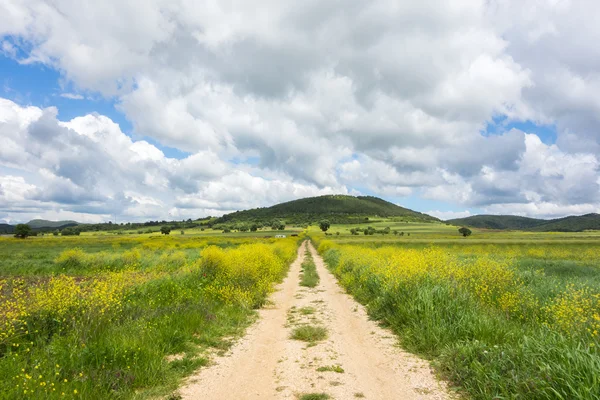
(446, 215)
(89, 168)
(317, 97)
(72, 96)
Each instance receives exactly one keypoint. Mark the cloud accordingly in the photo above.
(72, 96)
(284, 99)
(89, 167)
(446, 215)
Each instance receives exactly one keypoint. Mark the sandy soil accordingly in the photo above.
(267, 364)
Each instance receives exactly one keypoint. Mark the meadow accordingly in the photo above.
(112, 316)
(502, 315)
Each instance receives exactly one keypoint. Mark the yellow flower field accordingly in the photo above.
(102, 328)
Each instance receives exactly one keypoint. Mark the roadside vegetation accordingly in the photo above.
(121, 319)
(518, 320)
(309, 276)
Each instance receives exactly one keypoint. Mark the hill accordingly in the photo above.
(6, 229)
(336, 208)
(567, 224)
(497, 222)
(42, 223)
(570, 224)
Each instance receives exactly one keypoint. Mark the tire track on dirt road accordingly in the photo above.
(267, 364)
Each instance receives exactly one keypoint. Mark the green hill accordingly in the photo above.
(336, 208)
(42, 223)
(6, 229)
(568, 224)
(571, 224)
(497, 222)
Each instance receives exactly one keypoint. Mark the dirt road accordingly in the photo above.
(357, 360)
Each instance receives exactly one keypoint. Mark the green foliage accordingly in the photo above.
(165, 230)
(22, 231)
(309, 333)
(336, 208)
(369, 231)
(310, 277)
(276, 225)
(567, 224)
(6, 228)
(331, 368)
(314, 396)
(324, 225)
(70, 232)
(108, 334)
(42, 223)
(529, 340)
(464, 231)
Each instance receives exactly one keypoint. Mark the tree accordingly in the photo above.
(282, 226)
(465, 231)
(55, 233)
(243, 228)
(22, 231)
(324, 225)
(253, 227)
(165, 230)
(70, 232)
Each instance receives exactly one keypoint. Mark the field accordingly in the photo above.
(125, 316)
(498, 314)
(501, 314)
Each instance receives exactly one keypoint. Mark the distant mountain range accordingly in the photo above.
(6, 229)
(510, 222)
(363, 209)
(41, 225)
(335, 208)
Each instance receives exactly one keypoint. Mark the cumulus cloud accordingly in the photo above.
(279, 99)
(89, 167)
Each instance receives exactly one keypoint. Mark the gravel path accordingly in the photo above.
(267, 364)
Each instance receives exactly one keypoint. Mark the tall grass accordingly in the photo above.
(493, 327)
(107, 334)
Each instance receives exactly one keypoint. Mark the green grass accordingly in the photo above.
(331, 368)
(310, 277)
(307, 310)
(123, 351)
(314, 396)
(309, 333)
(478, 348)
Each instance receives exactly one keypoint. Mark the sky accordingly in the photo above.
(135, 110)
